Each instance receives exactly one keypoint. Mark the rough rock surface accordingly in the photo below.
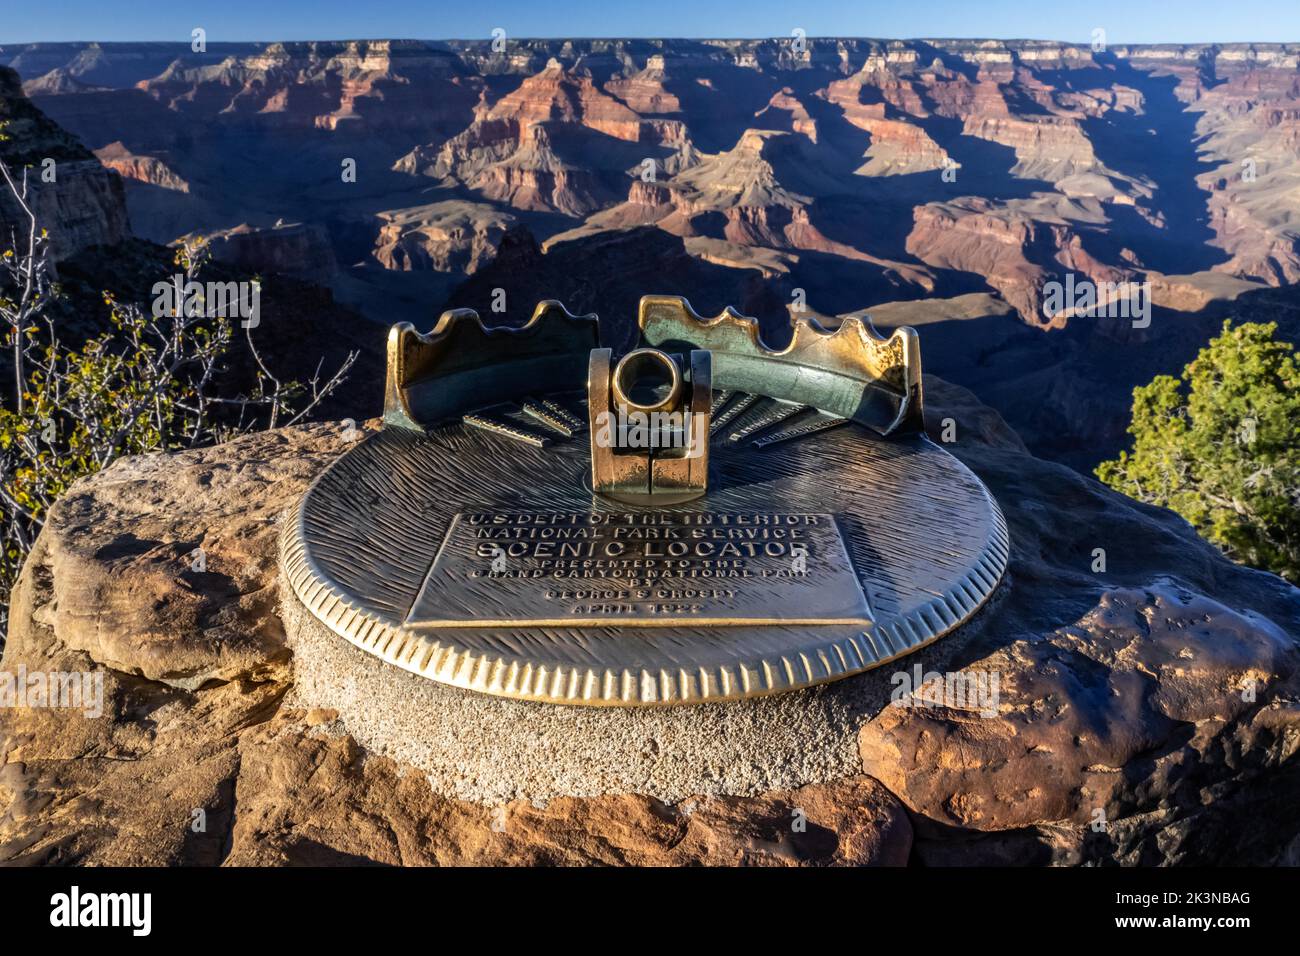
(144, 169)
(557, 143)
(447, 236)
(1160, 692)
(295, 249)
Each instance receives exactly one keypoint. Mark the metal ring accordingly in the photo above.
(630, 364)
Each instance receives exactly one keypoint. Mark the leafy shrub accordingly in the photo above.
(150, 382)
(1221, 446)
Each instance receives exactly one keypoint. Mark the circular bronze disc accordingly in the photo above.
(368, 552)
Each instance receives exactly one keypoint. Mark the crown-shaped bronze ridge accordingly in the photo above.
(873, 379)
(552, 347)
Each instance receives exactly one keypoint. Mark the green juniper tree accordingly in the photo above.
(1220, 445)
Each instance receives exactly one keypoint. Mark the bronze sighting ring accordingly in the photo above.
(635, 362)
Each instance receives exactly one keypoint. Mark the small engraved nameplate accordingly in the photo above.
(644, 569)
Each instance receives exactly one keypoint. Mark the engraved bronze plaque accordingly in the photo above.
(490, 430)
(647, 567)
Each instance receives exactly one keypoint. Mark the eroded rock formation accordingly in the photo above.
(926, 168)
(76, 200)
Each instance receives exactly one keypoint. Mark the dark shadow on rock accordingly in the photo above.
(1158, 145)
(308, 852)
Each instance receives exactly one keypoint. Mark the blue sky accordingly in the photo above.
(1125, 21)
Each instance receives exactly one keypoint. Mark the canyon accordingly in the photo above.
(942, 185)
(939, 183)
